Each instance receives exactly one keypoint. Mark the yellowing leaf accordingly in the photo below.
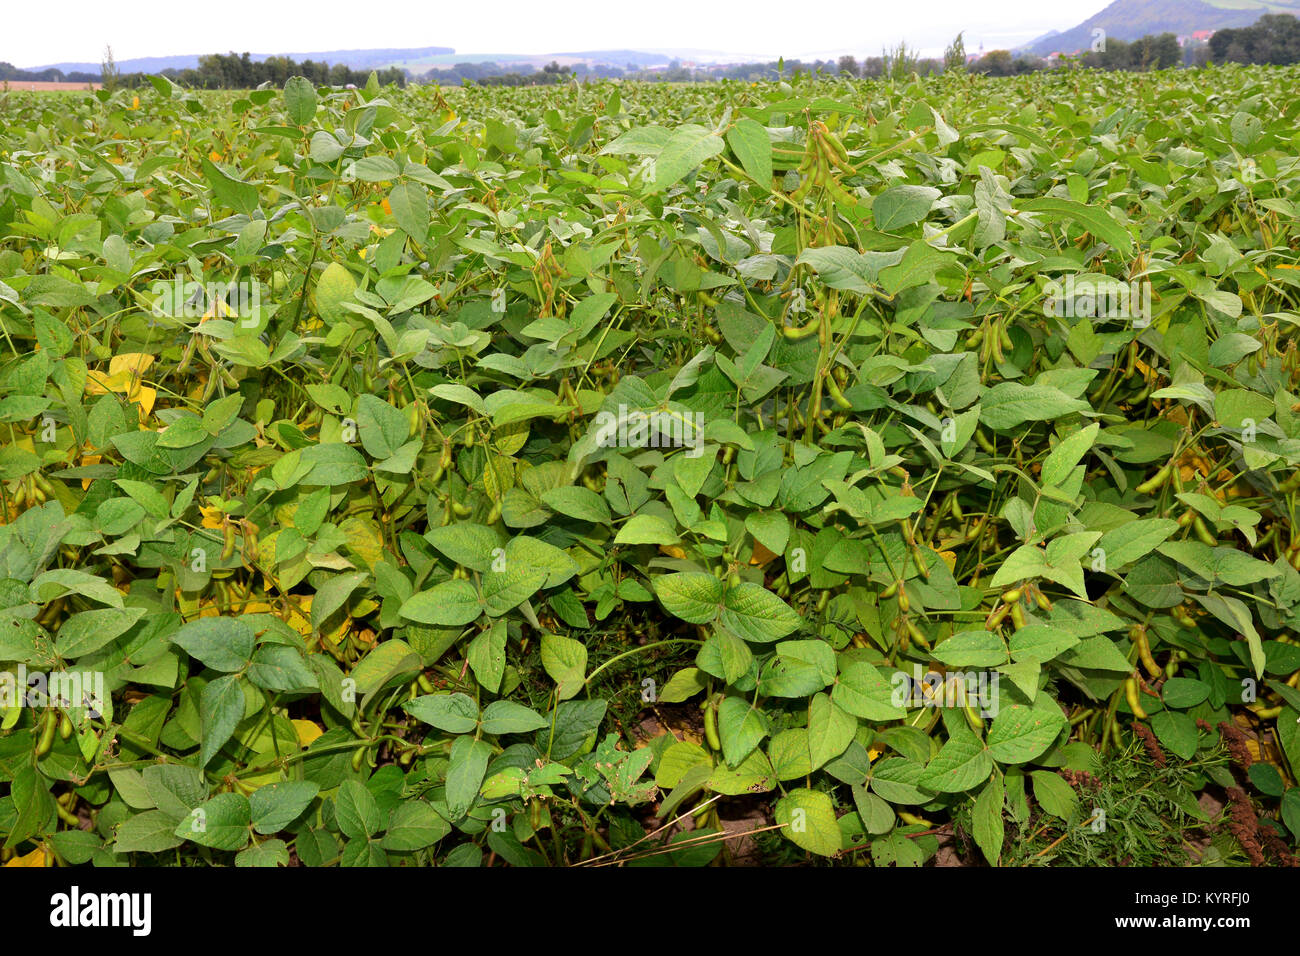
(35, 858)
(307, 731)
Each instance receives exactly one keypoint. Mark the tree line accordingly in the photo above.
(224, 71)
(1273, 38)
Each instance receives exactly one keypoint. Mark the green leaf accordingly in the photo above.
(1097, 221)
(221, 823)
(300, 100)
(357, 811)
(686, 148)
(505, 717)
(962, 764)
(741, 728)
(1020, 733)
(466, 543)
(1183, 692)
(1060, 463)
(33, 802)
(88, 631)
(581, 503)
(830, 730)
(1054, 795)
(1009, 404)
(268, 853)
(487, 656)
(807, 818)
(331, 596)
(971, 649)
(505, 590)
(222, 643)
(572, 728)
(753, 147)
(1096, 653)
(987, 823)
(277, 805)
(334, 286)
(230, 193)
(755, 613)
(455, 713)
(410, 205)
(450, 604)
(150, 832)
(175, 789)
(469, 760)
(221, 708)
(646, 529)
(920, 264)
(861, 690)
(1177, 732)
(1040, 643)
(414, 825)
(382, 428)
(690, 595)
(1134, 539)
(902, 205)
(565, 660)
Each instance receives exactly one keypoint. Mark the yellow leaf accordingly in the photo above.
(135, 363)
(35, 858)
(298, 615)
(364, 537)
(950, 559)
(124, 367)
(307, 731)
(143, 396)
(214, 156)
(135, 102)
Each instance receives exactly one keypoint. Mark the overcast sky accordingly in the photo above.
(37, 33)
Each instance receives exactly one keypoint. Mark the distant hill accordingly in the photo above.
(420, 59)
(618, 57)
(1130, 19)
(356, 59)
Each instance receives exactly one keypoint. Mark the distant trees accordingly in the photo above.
(1154, 52)
(1002, 63)
(849, 66)
(221, 71)
(1274, 38)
